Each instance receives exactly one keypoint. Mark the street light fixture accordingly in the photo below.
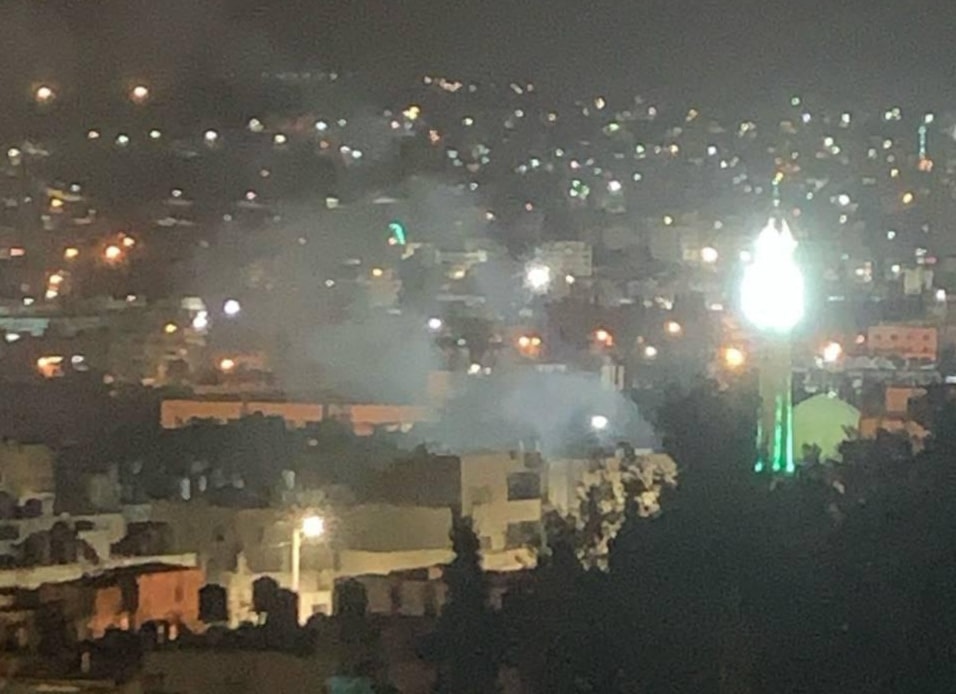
(311, 527)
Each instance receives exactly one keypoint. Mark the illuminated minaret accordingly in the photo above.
(772, 301)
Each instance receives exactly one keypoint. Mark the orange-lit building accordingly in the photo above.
(128, 598)
(364, 418)
(904, 341)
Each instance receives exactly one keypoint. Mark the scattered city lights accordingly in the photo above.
(231, 307)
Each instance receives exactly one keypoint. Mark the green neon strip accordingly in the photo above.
(777, 434)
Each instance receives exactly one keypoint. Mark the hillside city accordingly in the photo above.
(314, 379)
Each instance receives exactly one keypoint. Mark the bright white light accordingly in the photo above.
(772, 287)
(614, 186)
(44, 94)
(255, 125)
(832, 352)
(941, 296)
(313, 526)
(231, 307)
(155, 134)
(650, 352)
(537, 277)
(122, 140)
(843, 199)
(201, 321)
(435, 323)
(139, 93)
(279, 139)
(709, 255)
(599, 422)
(474, 369)
(210, 136)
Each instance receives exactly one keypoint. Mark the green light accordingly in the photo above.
(397, 230)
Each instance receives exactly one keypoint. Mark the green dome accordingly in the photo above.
(823, 420)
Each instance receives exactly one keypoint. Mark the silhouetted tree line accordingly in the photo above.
(840, 579)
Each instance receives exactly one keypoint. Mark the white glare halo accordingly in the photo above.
(772, 286)
(537, 277)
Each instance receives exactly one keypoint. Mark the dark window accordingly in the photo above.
(84, 526)
(523, 534)
(524, 485)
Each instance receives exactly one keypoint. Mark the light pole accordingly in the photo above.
(311, 527)
(772, 299)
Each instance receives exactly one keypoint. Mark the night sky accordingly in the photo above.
(715, 48)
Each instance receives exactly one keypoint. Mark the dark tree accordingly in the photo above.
(467, 646)
(265, 597)
(213, 604)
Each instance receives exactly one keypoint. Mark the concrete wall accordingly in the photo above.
(484, 494)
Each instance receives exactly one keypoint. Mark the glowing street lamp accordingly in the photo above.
(772, 300)
(599, 422)
(311, 527)
(537, 277)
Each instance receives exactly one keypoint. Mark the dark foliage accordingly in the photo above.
(841, 579)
